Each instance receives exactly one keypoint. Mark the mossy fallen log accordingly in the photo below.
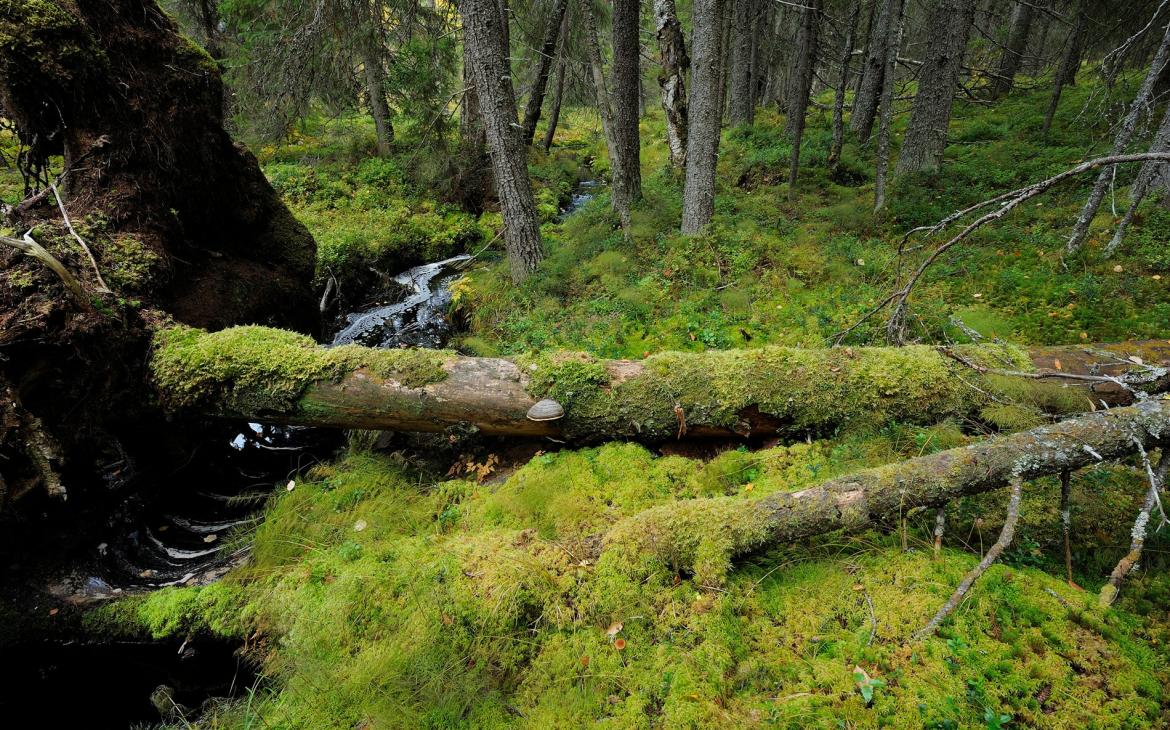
(276, 376)
(703, 535)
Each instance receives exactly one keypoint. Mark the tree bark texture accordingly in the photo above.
(802, 80)
(1019, 28)
(873, 71)
(886, 107)
(376, 98)
(741, 109)
(627, 86)
(672, 53)
(1069, 58)
(705, 114)
(483, 30)
(604, 107)
(946, 44)
(554, 115)
(842, 85)
(1124, 135)
(703, 535)
(273, 376)
(544, 64)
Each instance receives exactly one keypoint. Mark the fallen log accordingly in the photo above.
(703, 535)
(276, 376)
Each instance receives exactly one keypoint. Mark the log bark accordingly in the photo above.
(275, 376)
(703, 535)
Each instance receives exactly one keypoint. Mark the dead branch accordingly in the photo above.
(37, 251)
(1005, 539)
(1138, 535)
(1006, 202)
(81, 241)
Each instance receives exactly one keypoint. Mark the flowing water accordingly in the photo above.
(177, 529)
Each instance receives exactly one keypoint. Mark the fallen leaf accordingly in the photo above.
(211, 538)
(977, 296)
(54, 611)
(614, 628)
(359, 525)
(1056, 364)
(1136, 360)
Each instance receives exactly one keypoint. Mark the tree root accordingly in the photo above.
(30, 247)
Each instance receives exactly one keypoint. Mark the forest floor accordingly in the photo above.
(388, 591)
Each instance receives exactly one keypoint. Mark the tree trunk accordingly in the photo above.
(802, 79)
(627, 83)
(926, 136)
(839, 95)
(673, 56)
(726, 22)
(705, 114)
(1152, 174)
(180, 219)
(1020, 27)
(544, 66)
(376, 97)
(865, 102)
(1069, 58)
(554, 116)
(742, 107)
(703, 535)
(604, 108)
(277, 377)
(882, 163)
(474, 166)
(1128, 128)
(483, 31)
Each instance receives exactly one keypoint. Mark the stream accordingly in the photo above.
(176, 529)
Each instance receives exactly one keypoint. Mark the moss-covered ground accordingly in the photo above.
(381, 594)
(378, 599)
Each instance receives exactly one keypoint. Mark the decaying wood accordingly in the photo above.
(764, 391)
(1001, 544)
(30, 247)
(1141, 526)
(703, 535)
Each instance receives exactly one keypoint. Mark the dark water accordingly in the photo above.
(586, 191)
(416, 318)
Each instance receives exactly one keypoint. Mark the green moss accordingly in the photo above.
(128, 264)
(250, 370)
(798, 390)
(466, 605)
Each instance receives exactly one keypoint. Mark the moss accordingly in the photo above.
(474, 605)
(128, 264)
(796, 390)
(250, 370)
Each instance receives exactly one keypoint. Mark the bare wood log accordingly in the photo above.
(703, 535)
(276, 376)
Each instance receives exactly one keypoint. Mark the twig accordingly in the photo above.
(940, 526)
(1006, 203)
(1112, 587)
(1005, 539)
(1066, 523)
(37, 251)
(84, 247)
